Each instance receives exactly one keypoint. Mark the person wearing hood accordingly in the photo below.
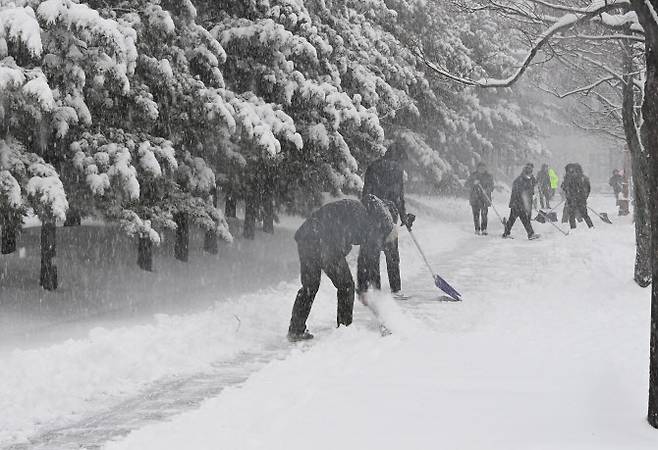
(520, 202)
(384, 178)
(323, 242)
(481, 184)
(576, 188)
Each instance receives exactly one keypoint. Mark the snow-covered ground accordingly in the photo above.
(547, 350)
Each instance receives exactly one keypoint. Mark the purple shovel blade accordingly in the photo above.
(445, 287)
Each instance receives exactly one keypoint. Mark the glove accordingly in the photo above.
(408, 221)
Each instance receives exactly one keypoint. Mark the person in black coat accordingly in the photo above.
(576, 188)
(323, 242)
(520, 203)
(481, 184)
(384, 178)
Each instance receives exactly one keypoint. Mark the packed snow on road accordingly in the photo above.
(328, 224)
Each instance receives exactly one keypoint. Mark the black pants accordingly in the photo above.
(312, 263)
(522, 215)
(480, 213)
(579, 208)
(368, 267)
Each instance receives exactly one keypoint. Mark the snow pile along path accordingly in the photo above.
(61, 392)
(548, 350)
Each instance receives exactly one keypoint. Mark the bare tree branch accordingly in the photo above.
(565, 22)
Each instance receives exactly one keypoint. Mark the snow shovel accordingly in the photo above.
(438, 280)
(603, 216)
(546, 218)
(503, 220)
(549, 215)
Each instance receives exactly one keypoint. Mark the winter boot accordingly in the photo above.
(296, 337)
(399, 295)
(484, 233)
(534, 236)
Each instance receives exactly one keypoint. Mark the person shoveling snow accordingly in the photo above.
(324, 240)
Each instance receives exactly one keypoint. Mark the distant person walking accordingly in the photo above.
(616, 182)
(481, 184)
(520, 202)
(576, 188)
(544, 187)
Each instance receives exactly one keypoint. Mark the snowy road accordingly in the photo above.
(548, 350)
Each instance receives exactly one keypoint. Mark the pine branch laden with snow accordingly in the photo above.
(135, 226)
(27, 180)
(45, 191)
(122, 161)
(18, 24)
(195, 176)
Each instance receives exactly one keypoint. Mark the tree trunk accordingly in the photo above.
(9, 235)
(73, 218)
(145, 254)
(210, 243)
(268, 213)
(182, 244)
(48, 276)
(230, 206)
(650, 111)
(641, 176)
(250, 212)
(650, 114)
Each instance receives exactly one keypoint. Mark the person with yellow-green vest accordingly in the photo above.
(555, 180)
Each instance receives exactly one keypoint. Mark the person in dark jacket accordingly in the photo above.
(481, 184)
(520, 202)
(384, 178)
(616, 182)
(323, 242)
(576, 188)
(544, 187)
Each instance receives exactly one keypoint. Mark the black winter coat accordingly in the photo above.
(523, 190)
(576, 188)
(477, 198)
(384, 178)
(336, 226)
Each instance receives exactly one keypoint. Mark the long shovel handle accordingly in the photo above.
(422, 254)
(556, 206)
(438, 281)
(604, 219)
(566, 233)
(491, 204)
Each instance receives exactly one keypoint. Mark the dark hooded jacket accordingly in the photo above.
(576, 185)
(336, 226)
(544, 180)
(477, 198)
(523, 189)
(384, 178)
